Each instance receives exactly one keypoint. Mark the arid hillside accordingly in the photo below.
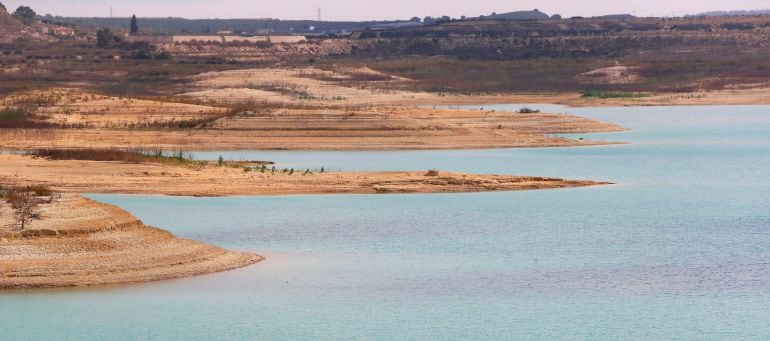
(649, 54)
(12, 30)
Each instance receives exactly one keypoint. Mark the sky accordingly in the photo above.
(369, 10)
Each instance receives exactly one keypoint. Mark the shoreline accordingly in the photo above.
(105, 177)
(752, 96)
(80, 242)
(84, 243)
(398, 128)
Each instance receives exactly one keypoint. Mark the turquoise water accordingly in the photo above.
(678, 249)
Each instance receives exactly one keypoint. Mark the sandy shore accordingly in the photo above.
(738, 96)
(74, 176)
(381, 128)
(80, 242)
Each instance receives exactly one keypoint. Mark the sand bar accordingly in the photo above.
(73, 176)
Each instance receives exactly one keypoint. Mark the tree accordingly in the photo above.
(2, 8)
(25, 204)
(103, 37)
(415, 19)
(25, 14)
(134, 26)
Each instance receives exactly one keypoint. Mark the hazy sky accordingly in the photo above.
(381, 9)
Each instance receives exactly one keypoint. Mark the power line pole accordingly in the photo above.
(319, 14)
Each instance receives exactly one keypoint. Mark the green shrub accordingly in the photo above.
(604, 94)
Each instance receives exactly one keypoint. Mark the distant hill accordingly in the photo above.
(12, 30)
(253, 26)
(734, 13)
(521, 15)
(616, 16)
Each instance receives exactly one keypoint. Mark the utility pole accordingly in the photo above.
(319, 14)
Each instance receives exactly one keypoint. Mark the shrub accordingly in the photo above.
(104, 37)
(133, 156)
(526, 110)
(150, 55)
(39, 190)
(20, 118)
(604, 94)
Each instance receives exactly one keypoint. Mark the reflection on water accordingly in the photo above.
(679, 248)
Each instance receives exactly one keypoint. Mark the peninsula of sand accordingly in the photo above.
(209, 180)
(80, 242)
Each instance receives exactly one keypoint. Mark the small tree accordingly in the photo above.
(2, 8)
(134, 26)
(221, 161)
(25, 14)
(103, 37)
(25, 205)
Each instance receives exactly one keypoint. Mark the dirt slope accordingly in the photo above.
(12, 30)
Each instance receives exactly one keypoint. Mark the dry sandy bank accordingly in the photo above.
(80, 242)
(129, 178)
(376, 128)
(736, 96)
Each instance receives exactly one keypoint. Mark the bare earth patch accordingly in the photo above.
(81, 109)
(619, 74)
